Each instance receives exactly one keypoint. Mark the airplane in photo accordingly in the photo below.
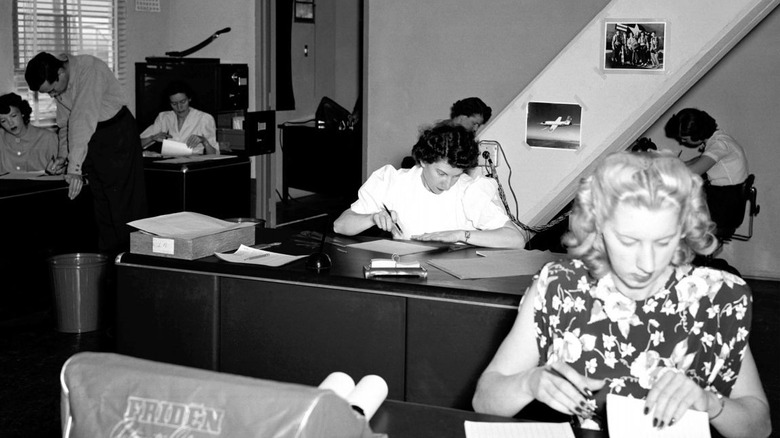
(551, 125)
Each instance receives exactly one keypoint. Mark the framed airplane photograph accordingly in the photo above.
(553, 125)
(634, 46)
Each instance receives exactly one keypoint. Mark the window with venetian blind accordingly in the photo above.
(79, 27)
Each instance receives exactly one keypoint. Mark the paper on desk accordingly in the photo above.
(392, 247)
(626, 418)
(475, 429)
(193, 159)
(172, 148)
(252, 256)
(496, 263)
(186, 225)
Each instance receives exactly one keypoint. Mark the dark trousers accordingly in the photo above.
(115, 171)
(727, 207)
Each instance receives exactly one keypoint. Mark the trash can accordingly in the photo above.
(78, 281)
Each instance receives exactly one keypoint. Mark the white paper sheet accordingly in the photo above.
(626, 419)
(392, 247)
(475, 429)
(172, 148)
(252, 256)
(193, 159)
(185, 225)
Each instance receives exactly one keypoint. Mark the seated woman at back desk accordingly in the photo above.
(23, 147)
(629, 315)
(436, 200)
(184, 123)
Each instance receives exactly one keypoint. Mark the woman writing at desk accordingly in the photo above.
(23, 147)
(629, 315)
(436, 200)
(183, 124)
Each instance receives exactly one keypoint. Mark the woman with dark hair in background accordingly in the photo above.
(471, 113)
(722, 162)
(23, 147)
(183, 123)
(436, 199)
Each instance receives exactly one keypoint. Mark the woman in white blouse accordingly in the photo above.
(184, 124)
(436, 200)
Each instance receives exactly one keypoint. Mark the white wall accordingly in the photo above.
(423, 55)
(182, 24)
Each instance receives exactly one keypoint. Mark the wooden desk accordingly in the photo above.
(413, 420)
(38, 221)
(429, 338)
(218, 188)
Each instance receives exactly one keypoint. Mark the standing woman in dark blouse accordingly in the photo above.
(629, 315)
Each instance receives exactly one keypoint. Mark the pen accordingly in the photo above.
(585, 393)
(259, 256)
(391, 218)
(268, 245)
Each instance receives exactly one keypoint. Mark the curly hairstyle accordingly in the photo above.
(469, 107)
(690, 122)
(44, 67)
(447, 141)
(14, 100)
(640, 179)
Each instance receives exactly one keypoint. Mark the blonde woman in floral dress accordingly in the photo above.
(629, 315)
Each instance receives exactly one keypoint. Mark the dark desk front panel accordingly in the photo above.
(448, 347)
(168, 316)
(297, 333)
(39, 220)
(218, 188)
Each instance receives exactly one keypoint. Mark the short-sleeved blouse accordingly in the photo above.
(470, 204)
(697, 323)
(731, 165)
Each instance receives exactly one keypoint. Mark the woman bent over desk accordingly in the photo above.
(436, 200)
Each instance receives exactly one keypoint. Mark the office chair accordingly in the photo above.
(727, 232)
(750, 197)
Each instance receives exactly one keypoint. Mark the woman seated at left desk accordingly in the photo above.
(183, 123)
(23, 147)
(436, 200)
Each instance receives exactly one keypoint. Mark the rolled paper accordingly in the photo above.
(368, 395)
(340, 383)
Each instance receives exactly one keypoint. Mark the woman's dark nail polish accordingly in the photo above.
(661, 426)
(647, 410)
(671, 422)
(655, 422)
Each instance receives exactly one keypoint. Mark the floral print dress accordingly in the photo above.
(697, 323)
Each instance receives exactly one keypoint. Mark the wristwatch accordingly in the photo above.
(466, 236)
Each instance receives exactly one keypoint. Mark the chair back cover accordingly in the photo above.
(110, 395)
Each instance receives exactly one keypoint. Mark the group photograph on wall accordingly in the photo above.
(634, 46)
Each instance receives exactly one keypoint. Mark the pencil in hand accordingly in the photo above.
(391, 218)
